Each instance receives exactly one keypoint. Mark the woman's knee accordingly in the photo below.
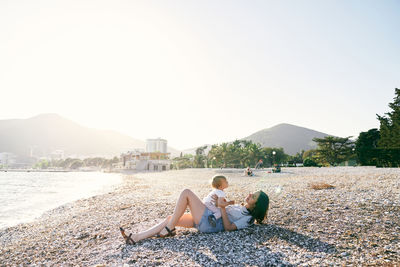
(186, 192)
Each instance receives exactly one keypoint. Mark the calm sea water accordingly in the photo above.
(24, 196)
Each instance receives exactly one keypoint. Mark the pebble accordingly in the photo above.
(355, 223)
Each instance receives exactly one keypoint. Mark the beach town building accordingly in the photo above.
(155, 158)
(57, 154)
(156, 145)
(7, 159)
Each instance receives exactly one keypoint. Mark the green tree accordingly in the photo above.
(76, 164)
(310, 154)
(183, 162)
(43, 164)
(333, 150)
(254, 153)
(200, 158)
(298, 158)
(309, 162)
(270, 159)
(390, 124)
(243, 153)
(366, 143)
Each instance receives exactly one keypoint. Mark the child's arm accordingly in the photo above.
(211, 207)
(231, 202)
(215, 197)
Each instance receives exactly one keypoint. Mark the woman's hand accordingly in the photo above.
(222, 203)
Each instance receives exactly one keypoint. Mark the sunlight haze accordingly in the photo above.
(204, 72)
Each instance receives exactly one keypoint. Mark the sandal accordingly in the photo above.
(170, 233)
(128, 239)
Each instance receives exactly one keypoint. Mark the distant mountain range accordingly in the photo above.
(291, 138)
(43, 134)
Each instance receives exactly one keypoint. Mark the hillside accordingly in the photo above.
(291, 138)
(48, 132)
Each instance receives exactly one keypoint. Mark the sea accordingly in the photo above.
(24, 196)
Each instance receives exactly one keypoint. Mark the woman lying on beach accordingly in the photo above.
(232, 216)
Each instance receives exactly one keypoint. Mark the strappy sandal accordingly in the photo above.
(170, 233)
(128, 239)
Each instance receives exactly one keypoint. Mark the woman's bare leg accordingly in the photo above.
(178, 218)
(186, 199)
(186, 221)
(151, 232)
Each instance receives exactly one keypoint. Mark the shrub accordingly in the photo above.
(309, 162)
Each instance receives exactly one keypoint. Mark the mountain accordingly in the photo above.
(291, 138)
(46, 133)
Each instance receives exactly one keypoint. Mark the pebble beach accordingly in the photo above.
(355, 222)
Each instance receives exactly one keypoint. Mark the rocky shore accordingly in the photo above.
(355, 223)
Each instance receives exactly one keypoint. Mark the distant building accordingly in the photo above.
(145, 161)
(57, 154)
(156, 145)
(7, 159)
(155, 158)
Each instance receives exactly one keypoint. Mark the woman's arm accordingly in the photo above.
(228, 226)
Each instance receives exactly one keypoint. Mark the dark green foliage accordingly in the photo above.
(43, 164)
(390, 124)
(243, 153)
(76, 164)
(270, 159)
(382, 148)
(182, 162)
(389, 157)
(333, 150)
(384, 157)
(312, 153)
(200, 160)
(298, 158)
(309, 162)
(365, 143)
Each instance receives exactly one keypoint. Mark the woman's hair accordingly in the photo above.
(216, 181)
(261, 208)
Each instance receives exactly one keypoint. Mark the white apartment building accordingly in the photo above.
(156, 145)
(156, 157)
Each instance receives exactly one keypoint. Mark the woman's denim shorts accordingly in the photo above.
(205, 227)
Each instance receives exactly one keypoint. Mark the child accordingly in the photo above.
(219, 182)
(248, 172)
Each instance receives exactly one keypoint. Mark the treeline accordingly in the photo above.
(73, 163)
(382, 147)
(375, 147)
(238, 154)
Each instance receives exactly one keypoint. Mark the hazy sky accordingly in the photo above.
(196, 72)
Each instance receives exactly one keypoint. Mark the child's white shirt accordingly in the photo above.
(210, 203)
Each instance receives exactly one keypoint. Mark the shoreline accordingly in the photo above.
(354, 223)
(27, 196)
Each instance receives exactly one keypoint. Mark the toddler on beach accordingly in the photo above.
(219, 183)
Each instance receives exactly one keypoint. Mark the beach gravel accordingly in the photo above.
(357, 222)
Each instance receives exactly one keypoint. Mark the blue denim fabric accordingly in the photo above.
(205, 227)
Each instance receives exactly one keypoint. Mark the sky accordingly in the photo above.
(200, 72)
